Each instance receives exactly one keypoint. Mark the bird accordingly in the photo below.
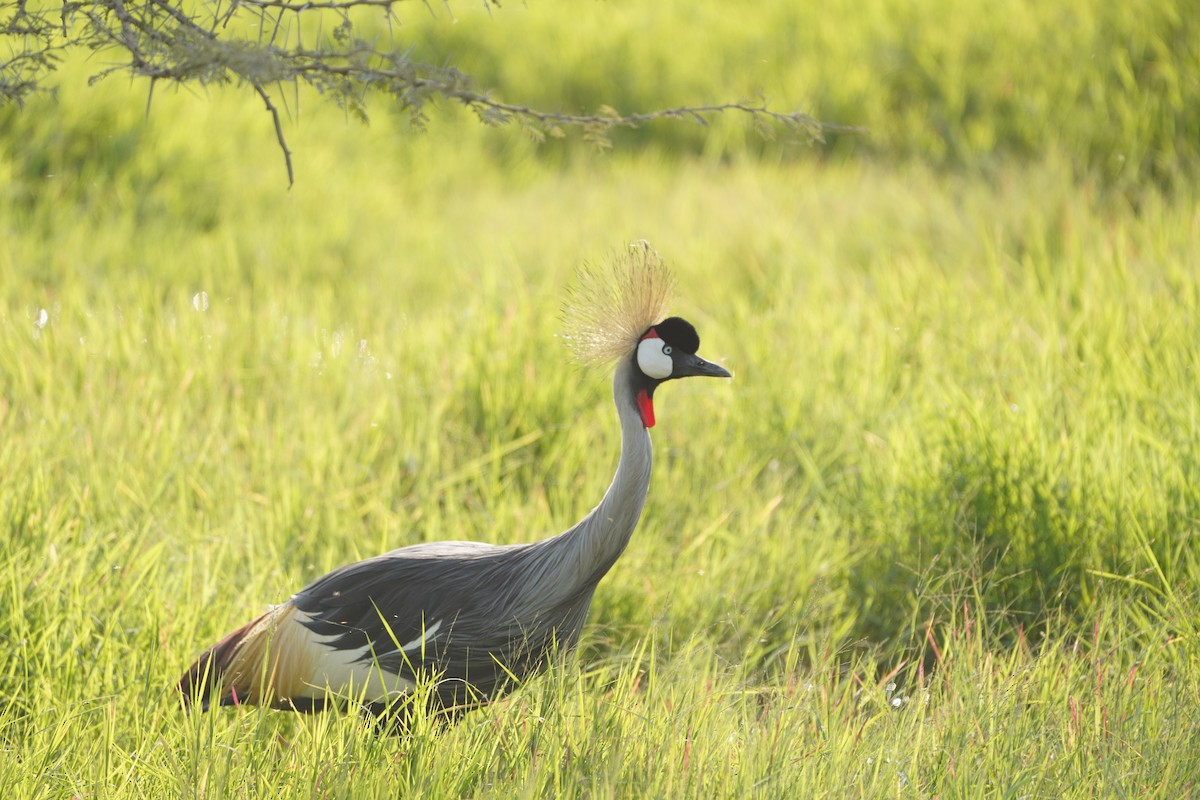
(471, 619)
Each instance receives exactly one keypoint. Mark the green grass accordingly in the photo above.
(938, 537)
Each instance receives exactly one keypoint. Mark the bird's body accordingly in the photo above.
(472, 618)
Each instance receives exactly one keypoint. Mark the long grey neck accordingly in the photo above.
(583, 554)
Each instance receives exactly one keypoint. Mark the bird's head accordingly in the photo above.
(666, 351)
(622, 315)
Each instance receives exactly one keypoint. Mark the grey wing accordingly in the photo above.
(419, 613)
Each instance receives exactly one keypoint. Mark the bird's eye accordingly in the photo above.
(666, 349)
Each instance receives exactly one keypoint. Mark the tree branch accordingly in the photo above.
(196, 42)
(287, 154)
(325, 4)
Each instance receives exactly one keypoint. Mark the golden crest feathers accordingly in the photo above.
(608, 311)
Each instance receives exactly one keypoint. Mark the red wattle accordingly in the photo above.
(646, 408)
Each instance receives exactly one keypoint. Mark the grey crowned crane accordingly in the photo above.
(472, 618)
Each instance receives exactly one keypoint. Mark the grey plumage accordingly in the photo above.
(468, 615)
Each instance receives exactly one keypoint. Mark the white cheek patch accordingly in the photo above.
(652, 360)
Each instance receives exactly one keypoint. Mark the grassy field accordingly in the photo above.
(938, 537)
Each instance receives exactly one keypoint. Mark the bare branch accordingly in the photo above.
(287, 154)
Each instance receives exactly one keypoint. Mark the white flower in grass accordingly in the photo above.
(896, 699)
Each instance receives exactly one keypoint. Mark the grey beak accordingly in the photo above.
(694, 365)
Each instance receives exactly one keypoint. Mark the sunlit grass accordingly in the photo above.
(937, 538)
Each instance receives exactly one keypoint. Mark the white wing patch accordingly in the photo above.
(346, 674)
(419, 642)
